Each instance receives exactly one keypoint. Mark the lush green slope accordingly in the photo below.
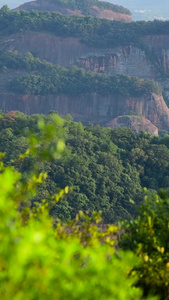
(78, 256)
(105, 168)
(77, 259)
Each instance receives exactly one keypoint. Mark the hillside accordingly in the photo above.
(92, 8)
(101, 46)
(103, 168)
(135, 49)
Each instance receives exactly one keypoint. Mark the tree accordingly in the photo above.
(39, 261)
(147, 236)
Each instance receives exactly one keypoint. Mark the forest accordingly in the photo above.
(92, 31)
(104, 168)
(81, 258)
(85, 5)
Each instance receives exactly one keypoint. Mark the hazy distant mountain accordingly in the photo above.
(146, 9)
(141, 9)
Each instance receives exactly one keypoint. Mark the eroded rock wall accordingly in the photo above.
(91, 108)
(130, 60)
(68, 51)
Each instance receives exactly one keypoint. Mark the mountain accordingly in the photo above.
(103, 50)
(140, 9)
(146, 10)
(94, 8)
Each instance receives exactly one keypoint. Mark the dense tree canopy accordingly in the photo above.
(85, 5)
(41, 260)
(93, 31)
(104, 168)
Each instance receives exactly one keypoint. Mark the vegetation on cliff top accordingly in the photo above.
(93, 31)
(86, 5)
(98, 33)
(43, 78)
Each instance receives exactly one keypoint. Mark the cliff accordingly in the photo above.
(91, 108)
(66, 51)
(147, 60)
(111, 12)
(129, 60)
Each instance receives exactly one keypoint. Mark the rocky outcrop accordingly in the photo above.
(91, 108)
(135, 123)
(94, 11)
(129, 60)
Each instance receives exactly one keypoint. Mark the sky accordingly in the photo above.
(141, 9)
(146, 9)
(12, 3)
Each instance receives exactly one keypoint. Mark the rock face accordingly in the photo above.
(135, 123)
(92, 108)
(159, 46)
(94, 11)
(68, 51)
(129, 60)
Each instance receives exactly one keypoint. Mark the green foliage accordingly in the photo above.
(43, 78)
(39, 261)
(93, 170)
(99, 32)
(104, 168)
(91, 31)
(86, 5)
(147, 236)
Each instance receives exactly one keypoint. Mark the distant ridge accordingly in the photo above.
(92, 8)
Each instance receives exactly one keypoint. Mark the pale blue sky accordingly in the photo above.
(12, 3)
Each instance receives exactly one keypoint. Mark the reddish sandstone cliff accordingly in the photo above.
(91, 108)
